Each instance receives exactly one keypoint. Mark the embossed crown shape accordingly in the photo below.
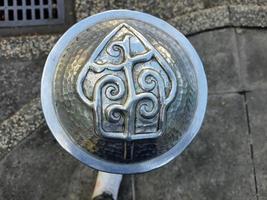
(129, 86)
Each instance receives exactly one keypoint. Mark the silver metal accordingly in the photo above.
(121, 51)
(124, 92)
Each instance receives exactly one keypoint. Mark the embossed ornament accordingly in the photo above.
(129, 85)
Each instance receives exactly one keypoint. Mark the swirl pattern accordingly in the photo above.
(126, 93)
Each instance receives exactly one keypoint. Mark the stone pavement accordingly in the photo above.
(228, 159)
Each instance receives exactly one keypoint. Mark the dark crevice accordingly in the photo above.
(133, 186)
(206, 30)
(241, 92)
(247, 114)
(244, 92)
(254, 171)
(251, 146)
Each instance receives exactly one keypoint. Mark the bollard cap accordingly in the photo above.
(123, 92)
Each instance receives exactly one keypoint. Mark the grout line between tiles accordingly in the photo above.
(133, 187)
(251, 147)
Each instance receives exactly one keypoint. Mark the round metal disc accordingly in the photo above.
(123, 92)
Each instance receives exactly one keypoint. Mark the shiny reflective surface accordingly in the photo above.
(124, 92)
(129, 85)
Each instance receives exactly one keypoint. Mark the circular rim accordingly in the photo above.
(58, 131)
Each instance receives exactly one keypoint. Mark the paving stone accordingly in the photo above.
(216, 166)
(23, 123)
(212, 3)
(40, 169)
(203, 20)
(248, 16)
(163, 9)
(26, 47)
(252, 47)
(217, 49)
(257, 109)
(20, 83)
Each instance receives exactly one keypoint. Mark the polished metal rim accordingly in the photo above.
(58, 130)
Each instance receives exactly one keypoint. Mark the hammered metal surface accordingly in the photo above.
(125, 91)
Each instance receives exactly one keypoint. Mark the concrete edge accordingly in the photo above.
(202, 20)
(221, 16)
(20, 125)
(26, 47)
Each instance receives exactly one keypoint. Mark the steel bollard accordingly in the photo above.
(124, 92)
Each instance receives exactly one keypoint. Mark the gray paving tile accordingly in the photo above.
(217, 50)
(252, 44)
(39, 169)
(217, 165)
(125, 191)
(257, 108)
(20, 83)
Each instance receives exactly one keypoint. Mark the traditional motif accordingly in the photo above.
(129, 85)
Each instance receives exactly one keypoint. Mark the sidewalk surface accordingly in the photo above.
(226, 161)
